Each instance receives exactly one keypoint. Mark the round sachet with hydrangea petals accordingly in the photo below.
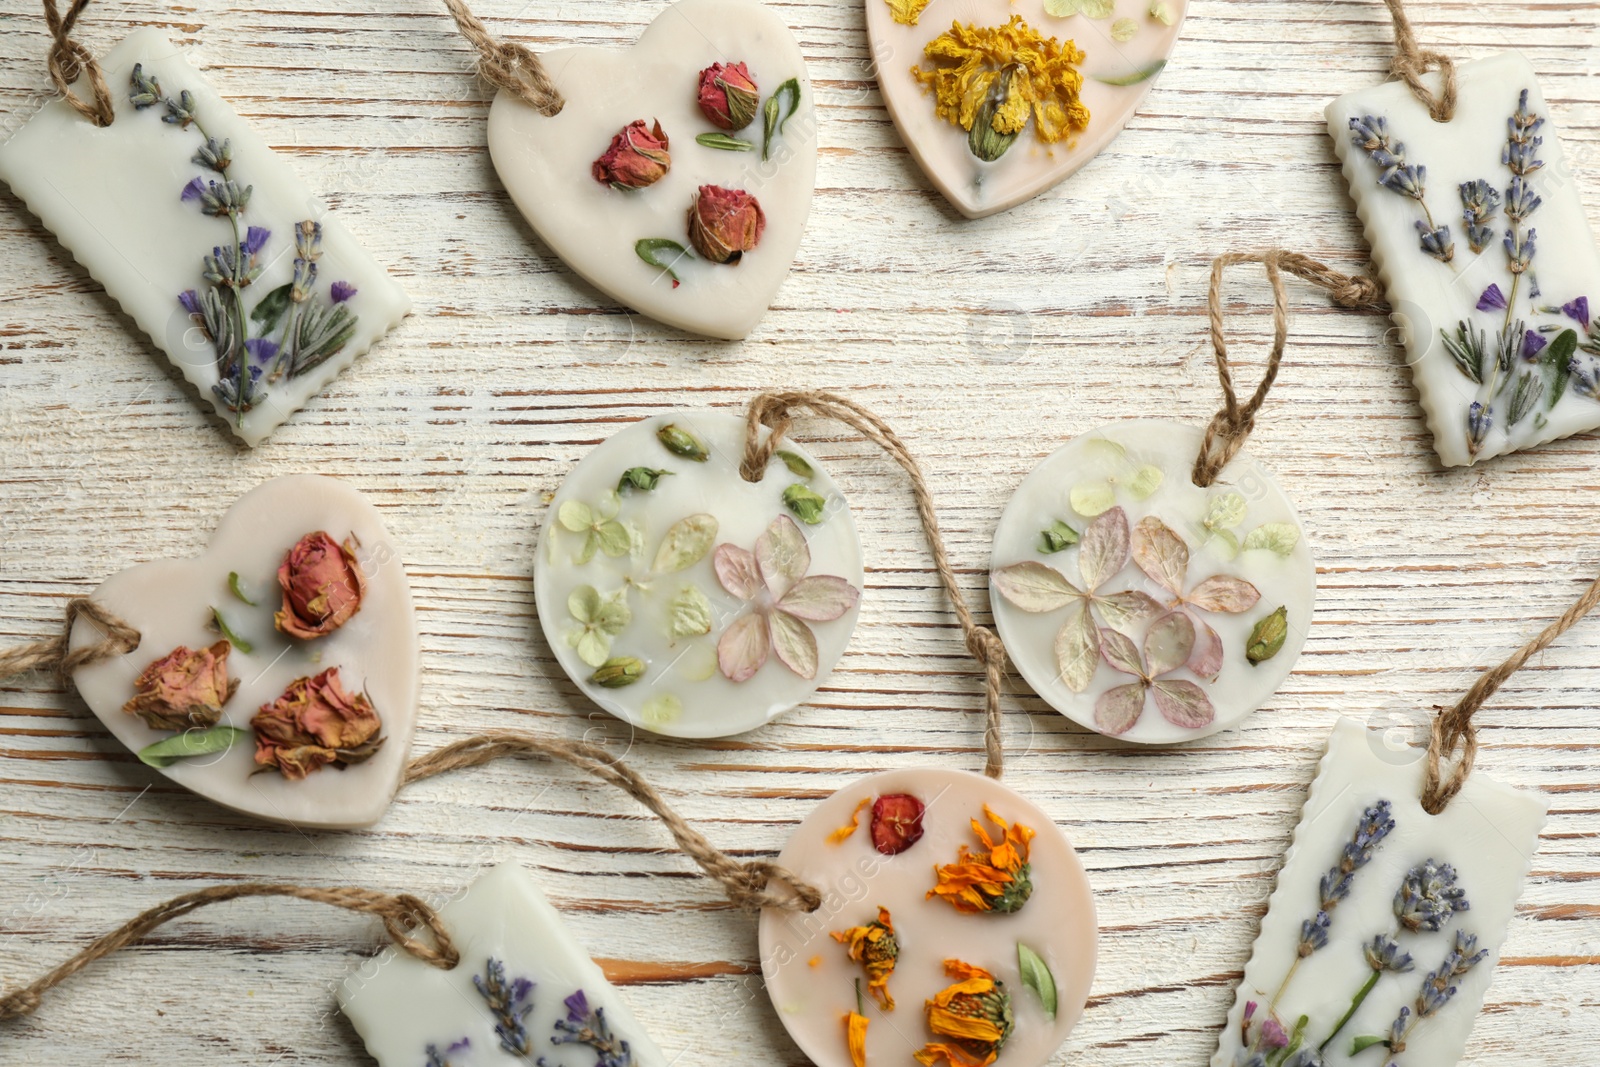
(1140, 604)
(685, 599)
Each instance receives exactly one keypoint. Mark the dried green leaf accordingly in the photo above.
(237, 590)
(575, 516)
(1225, 511)
(1161, 11)
(233, 639)
(269, 311)
(1524, 397)
(1094, 9)
(1556, 362)
(1037, 977)
(618, 671)
(777, 111)
(1144, 73)
(643, 479)
(724, 142)
(686, 543)
(615, 539)
(797, 464)
(1124, 30)
(663, 254)
(690, 613)
(1279, 537)
(1466, 348)
(1267, 636)
(192, 743)
(1092, 498)
(1145, 480)
(681, 442)
(661, 709)
(1366, 1041)
(1057, 537)
(806, 503)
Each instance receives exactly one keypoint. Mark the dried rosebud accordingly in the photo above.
(728, 95)
(315, 723)
(322, 586)
(184, 689)
(896, 823)
(724, 224)
(637, 158)
(617, 672)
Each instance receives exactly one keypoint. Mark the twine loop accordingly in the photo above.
(1226, 432)
(68, 59)
(400, 914)
(508, 65)
(1411, 62)
(756, 884)
(56, 654)
(1453, 729)
(775, 412)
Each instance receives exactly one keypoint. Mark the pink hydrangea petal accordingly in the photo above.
(782, 555)
(1161, 554)
(1121, 653)
(1119, 708)
(737, 571)
(821, 598)
(1168, 642)
(1206, 659)
(794, 643)
(1078, 650)
(1103, 549)
(743, 648)
(1183, 704)
(1224, 593)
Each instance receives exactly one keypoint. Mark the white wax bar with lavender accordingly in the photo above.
(205, 237)
(1485, 252)
(525, 992)
(1382, 935)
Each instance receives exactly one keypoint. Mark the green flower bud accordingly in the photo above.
(681, 442)
(618, 671)
(1266, 639)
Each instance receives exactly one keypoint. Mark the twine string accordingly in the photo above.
(775, 412)
(506, 64)
(755, 884)
(1411, 62)
(1229, 427)
(68, 59)
(400, 914)
(56, 654)
(1452, 727)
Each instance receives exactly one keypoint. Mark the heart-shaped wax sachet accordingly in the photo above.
(1000, 100)
(678, 175)
(277, 671)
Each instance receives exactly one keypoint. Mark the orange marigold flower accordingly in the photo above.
(974, 1013)
(994, 880)
(1041, 79)
(876, 948)
(850, 827)
(855, 1037)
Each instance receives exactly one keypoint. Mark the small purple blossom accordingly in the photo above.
(510, 1005)
(342, 291)
(587, 1026)
(255, 239)
(262, 350)
(190, 301)
(1273, 1036)
(577, 1007)
(192, 191)
(1532, 344)
(1577, 310)
(1479, 421)
(1492, 298)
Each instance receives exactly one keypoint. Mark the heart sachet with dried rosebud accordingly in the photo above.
(1486, 255)
(1382, 934)
(204, 237)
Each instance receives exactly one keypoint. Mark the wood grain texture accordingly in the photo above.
(986, 344)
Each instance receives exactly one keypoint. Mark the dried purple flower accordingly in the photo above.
(192, 191)
(1410, 180)
(255, 239)
(586, 1026)
(1479, 202)
(1585, 377)
(1519, 248)
(1398, 1030)
(146, 91)
(261, 350)
(341, 291)
(224, 198)
(1577, 310)
(1532, 344)
(1383, 954)
(1521, 200)
(1521, 142)
(1273, 1036)
(1375, 824)
(1428, 896)
(1314, 933)
(1479, 421)
(1436, 242)
(510, 1005)
(438, 1059)
(1492, 298)
(180, 112)
(214, 155)
(190, 301)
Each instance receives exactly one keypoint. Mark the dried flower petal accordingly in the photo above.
(1183, 703)
(1043, 81)
(1279, 537)
(974, 1014)
(1161, 554)
(1224, 593)
(896, 823)
(819, 598)
(1103, 551)
(743, 648)
(1120, 651)
(686, 543)
(690, 612)
(782, 555)
(184, 689)
(1077, 649)
(1118, 708)
(1168, 643)
(737, 571)
(855, 1037)
(1034, 587)
(794, 644)
(876, 948)
(1206, 659)
(995, 880)
(844, 832)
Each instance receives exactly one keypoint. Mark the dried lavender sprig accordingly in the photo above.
(1479, 202)
(1371, 134)
(1480, 420)
(1382, 954)
(510, 1003)
(1428, 897)
(587, 1026)
(1437, 989)
(1585, 377)
(1376, 823)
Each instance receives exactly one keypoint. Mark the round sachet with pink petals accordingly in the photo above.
(686, 600)
(1141, 605)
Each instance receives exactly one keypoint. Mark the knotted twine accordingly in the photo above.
(508, 65)
(400, 914)
(1411, 62)
(68, 59)
(775, 412)
(1225, 434)
(1452, 727)
(55, 654)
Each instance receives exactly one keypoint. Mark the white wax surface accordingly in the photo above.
(111, 197)
(170, 601)
(401, 1005)
(1488, 833)
(1043, 498)
(685, 668)
(1427, 295)
(810, 977)
(545, 163)
(1029, 166)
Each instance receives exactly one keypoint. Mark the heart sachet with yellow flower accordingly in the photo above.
(1000, 101)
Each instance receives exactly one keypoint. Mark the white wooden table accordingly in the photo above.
(986, 343)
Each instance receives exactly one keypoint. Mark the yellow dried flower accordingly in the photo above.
(1042, 80)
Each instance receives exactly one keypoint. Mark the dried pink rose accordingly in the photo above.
(315, 723)
(322, 586)
(724, 224)
(637, 158)
(772, 579)
(728, 95)
(184, 689)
